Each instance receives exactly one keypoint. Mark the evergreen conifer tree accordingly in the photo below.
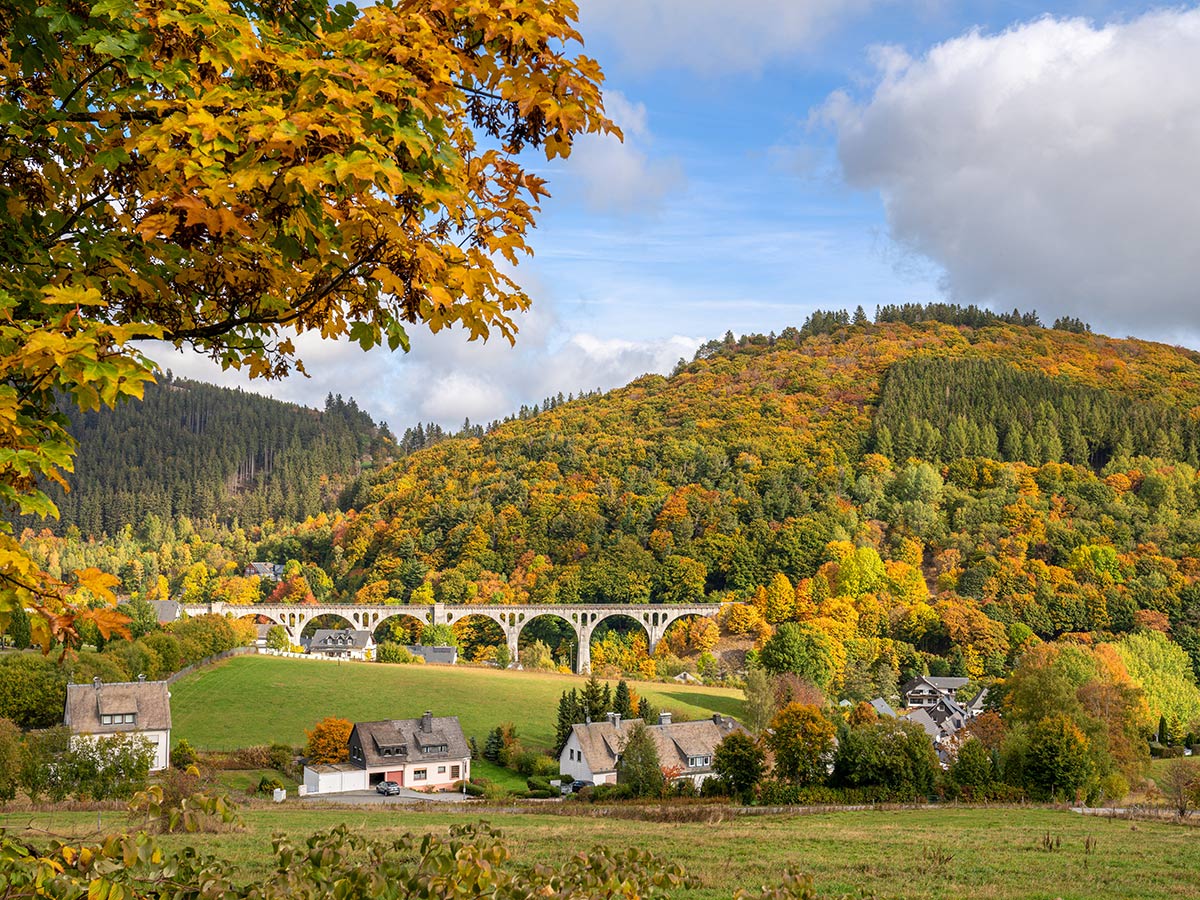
(623, 701)
(493, 745)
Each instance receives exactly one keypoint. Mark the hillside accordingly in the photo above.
(194, 450)
(928, 490)
(933, 491)
(205, 706)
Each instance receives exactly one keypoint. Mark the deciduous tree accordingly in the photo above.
(230, 176)
(328, 741)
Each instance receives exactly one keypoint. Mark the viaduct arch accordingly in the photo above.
(583, 618)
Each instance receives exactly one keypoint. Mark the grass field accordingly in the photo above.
(251, 700)
(984, 854)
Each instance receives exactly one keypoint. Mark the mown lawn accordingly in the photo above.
(989, 854)
(250, 700)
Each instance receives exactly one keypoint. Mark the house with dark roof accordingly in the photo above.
(926, 690)
(425, 754)
(269, 571)
(685, 748)
(345, 643)
(99, 710)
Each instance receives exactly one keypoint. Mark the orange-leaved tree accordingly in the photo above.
(229, 176)
(327, 741)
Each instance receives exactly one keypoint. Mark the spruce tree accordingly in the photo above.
(622, 701)
(568, 715)
(592, 701)
(493, 745)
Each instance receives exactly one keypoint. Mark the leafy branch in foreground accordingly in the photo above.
(472, 861)
(230, 176)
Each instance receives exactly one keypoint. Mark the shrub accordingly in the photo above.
(267, 785)
(470, 788)
(183, 755)
(281, 757)
(539, 795)
(391, 652)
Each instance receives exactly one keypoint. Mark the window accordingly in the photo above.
(387, 751)
(106, 720)
(455, 772)
(419, 774)
(441, 770)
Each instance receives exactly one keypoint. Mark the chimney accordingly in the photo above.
(427, 722)
(664, 718)
(717, 719)
(614, 719)
(96, 682)
(141, 679)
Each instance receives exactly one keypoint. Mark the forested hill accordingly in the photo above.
(192, 449)
(1028, 477)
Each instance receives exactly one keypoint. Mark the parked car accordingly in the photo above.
(388, 788)
(574, 787)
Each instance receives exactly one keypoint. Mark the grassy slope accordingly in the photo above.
(996, 853)
(253, 700)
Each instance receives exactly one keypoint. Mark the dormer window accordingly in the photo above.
(119, 719)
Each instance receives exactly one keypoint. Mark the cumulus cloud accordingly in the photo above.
(620, 177)
(446, 378)
(714, 36)
(1054, 166)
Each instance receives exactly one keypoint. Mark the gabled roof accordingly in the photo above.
(340, 639)
(409, 740)
(264, 569)
(149, 701)
(975, 705)
(922, 718)
(676, 742)
(937, 682)
(882, 707)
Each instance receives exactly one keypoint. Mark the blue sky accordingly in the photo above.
(787, 155)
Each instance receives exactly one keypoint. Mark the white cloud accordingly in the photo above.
(447, 378)
(1054, 166)
(714, 36)
(620, 177)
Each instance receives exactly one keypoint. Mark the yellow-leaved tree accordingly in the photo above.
(231, 175)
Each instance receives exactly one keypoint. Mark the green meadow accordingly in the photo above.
(251, 700)
(952, 852)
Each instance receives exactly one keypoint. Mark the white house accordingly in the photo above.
(925, 691)
(128, 707)
(593, 749)
(425, 754)
(342, 643)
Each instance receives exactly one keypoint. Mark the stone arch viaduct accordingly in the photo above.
(583, 618)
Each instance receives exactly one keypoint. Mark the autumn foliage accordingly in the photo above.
(327, 741)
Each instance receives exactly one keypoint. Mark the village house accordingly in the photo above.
(686, 748)
(343, 643)
(927, 690)
(269, 571)
(425, 754)
(141, 707)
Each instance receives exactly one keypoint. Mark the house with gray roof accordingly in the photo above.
(425, 754)
(883, 708)
(269, 571)
(98, 710)
(594, 748)
(925, 690)
(343, 643)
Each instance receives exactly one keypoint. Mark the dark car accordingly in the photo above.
(388, 788)
(575, 787)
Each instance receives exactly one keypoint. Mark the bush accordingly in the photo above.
(540, 795)
(33, 691)
(281, 757)
(183, 755)
(470, 788)
(391, 652)
(267, 785)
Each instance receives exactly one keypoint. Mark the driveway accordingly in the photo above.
(371, 797)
